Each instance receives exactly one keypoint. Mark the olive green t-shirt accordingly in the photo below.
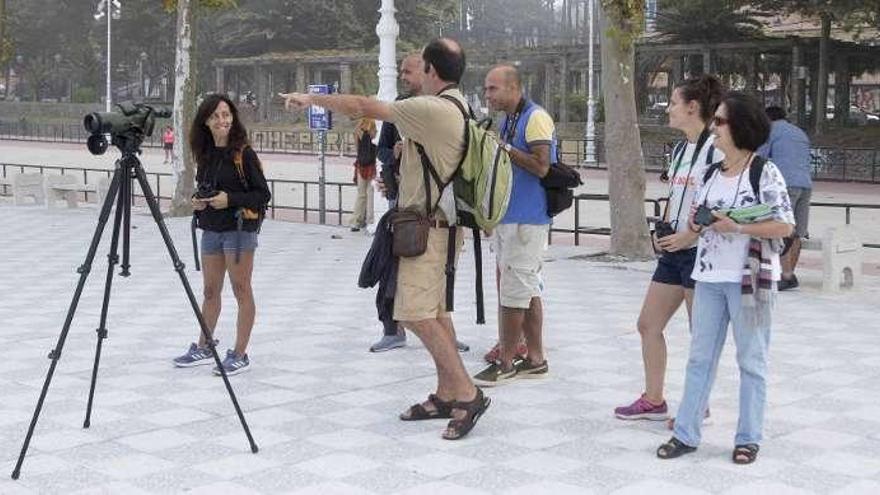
(438, 125)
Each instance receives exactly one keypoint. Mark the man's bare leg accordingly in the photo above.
(438, 337)
(533, 328)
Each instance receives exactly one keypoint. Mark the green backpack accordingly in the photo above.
(482, 184)
(484, 178)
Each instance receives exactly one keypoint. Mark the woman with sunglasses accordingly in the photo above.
(690, 109)
(736, 271)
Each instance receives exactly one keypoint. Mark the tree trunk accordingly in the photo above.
(623, 150)
(182, 164)
(822, 82)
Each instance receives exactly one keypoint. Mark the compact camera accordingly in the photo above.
(205, 191)
(663, 229)
(704, 216)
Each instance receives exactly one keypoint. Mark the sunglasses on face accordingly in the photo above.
(719, 121)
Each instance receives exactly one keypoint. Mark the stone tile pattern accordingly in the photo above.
(324, 410)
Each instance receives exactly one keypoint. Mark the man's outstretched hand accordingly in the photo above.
(295, 101)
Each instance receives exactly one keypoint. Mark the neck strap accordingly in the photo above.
(701, 141)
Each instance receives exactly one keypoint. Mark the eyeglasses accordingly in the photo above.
(719, 121)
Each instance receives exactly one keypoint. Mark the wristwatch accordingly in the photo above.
(507, 147)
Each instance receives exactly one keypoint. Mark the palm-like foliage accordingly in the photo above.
(706, 21)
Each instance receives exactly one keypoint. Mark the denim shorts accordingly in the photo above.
(228, 241)
(676, 268)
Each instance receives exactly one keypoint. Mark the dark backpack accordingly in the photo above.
(559, 184)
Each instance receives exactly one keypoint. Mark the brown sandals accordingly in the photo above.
(418, 412)
(459, 428)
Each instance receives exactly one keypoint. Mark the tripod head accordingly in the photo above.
(127, 128)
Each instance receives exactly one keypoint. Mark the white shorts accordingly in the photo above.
(519, 249)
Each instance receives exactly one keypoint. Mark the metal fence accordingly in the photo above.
(310, 189)
(828, 163)
(306, 207)
(579, 229)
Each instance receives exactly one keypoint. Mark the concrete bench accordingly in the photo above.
(25, 186)
(5, 185)
(841, 257)
(67, 188)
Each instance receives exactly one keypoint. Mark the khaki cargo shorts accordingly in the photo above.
(421, 280)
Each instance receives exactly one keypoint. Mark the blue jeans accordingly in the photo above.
(716, 305)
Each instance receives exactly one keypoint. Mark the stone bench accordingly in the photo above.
(25, 186)
(68, 188)
(841, 257)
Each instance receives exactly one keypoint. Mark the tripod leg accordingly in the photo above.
(179, 268)
(126, 218)
(112, 259)
(55, 354)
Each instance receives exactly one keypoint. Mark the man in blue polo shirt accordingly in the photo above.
(788, 147)
(528, 134)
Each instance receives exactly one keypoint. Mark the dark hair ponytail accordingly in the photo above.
(706, 90)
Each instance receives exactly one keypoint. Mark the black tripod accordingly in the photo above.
(128, 167)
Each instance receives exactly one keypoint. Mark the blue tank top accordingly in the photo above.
(528, 200)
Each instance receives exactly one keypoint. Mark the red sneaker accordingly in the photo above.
(495, 352)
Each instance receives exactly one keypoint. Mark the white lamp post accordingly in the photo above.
(114, 9)
(590, 131)
(387, 29)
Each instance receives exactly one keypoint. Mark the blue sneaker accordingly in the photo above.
(195, 356)
(389, 342)
(234, 363)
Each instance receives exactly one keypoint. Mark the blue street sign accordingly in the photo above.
(320, 119)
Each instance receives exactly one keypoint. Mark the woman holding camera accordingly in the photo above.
(232, 195)
(736, 272)
(690, 109)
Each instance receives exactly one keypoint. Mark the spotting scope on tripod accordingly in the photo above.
(127, 130)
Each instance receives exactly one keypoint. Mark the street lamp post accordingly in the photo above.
(590, 131)
(56, 86)
(387, 30)
(142, 84)
(110, 8)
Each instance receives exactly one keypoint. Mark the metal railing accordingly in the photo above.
(848, 207)
(305, 207)
(828, 163)
(578, 229)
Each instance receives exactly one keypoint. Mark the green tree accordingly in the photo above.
(709, 21)
(40, 34)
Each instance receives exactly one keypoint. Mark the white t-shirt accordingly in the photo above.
(678, 211)
(721, 257)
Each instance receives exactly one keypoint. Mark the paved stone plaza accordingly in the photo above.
(324, 410)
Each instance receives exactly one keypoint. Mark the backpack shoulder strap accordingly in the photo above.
(710, 172)
(678, 150)
(468, 114)
(238, 161)
(755, 172)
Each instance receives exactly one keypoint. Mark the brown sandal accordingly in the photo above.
(417, 412)
(459, 428)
